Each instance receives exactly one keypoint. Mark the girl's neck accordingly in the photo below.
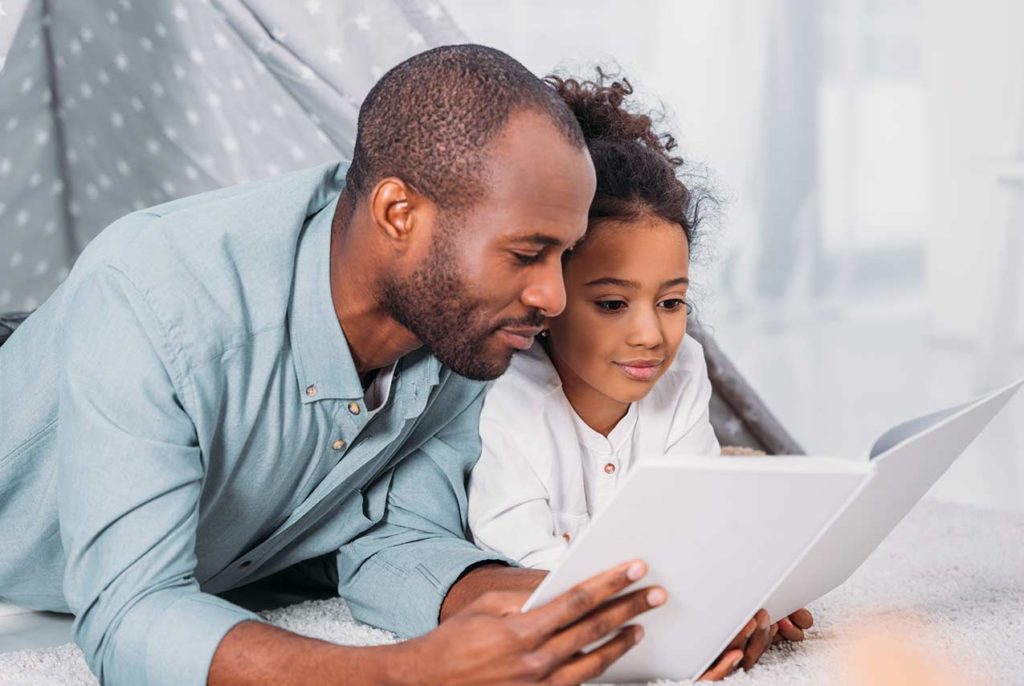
(597, 410)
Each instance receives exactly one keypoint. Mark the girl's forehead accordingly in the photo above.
(644, 251)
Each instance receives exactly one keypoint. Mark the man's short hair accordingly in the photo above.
(428, 121)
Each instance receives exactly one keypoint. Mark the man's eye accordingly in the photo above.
(527, 258)
(610, 305)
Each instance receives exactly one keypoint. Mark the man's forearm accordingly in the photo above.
(488, 577)
(255, 653)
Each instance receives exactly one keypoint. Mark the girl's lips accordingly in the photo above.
(644, 372)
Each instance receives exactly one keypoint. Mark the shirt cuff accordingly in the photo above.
(425, 587)
(181, 643)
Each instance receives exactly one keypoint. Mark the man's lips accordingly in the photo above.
(640, 370)
(520, 338)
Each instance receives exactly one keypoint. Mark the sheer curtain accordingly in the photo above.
(863, 267)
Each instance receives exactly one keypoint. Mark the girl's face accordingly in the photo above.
(625, 313)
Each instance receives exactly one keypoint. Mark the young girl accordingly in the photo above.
(615, 376)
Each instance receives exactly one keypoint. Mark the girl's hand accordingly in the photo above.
(744, 650)
(792, 628)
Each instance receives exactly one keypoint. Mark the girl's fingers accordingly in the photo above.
(726, 665)
(802, 618)
(790, 631)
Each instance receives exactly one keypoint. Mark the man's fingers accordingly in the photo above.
(790, 631)
(581, 600)
(759, 642)
(591, 665)
(500, 602)
(802, 618)
(726, 665)
(602, 622)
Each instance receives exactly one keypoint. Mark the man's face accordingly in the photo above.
(483, 280)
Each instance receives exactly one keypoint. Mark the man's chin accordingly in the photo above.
(488, 367)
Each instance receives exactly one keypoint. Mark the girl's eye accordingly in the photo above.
(527, 259)
(675, 304)
(610, 305)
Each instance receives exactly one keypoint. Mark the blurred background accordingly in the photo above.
(865, 265)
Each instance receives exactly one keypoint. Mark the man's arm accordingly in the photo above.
(129, 483)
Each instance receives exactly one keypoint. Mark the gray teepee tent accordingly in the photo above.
(107, 106)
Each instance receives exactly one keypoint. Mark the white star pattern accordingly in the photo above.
(183, 116)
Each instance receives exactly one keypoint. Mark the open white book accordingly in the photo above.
(729, 535)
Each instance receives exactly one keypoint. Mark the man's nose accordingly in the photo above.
(547, 292)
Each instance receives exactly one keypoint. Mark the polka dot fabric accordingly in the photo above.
(115, 105)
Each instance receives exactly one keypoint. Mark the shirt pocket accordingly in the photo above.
(375, 497)
(569, 525)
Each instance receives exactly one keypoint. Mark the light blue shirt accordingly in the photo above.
(183, 417)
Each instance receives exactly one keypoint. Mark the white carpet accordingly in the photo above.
(950, 579)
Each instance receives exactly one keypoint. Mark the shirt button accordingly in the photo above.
(609, 468)
(338, 444)
(354, 408)
(245, 564)
(566, 537)
(311, 391)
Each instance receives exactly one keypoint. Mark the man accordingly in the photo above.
(290, 372)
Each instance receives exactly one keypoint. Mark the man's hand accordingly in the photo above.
(490, 640)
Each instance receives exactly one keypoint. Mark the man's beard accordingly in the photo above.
(438, 308)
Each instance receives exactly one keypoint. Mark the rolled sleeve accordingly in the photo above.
(129, 483)
(396, 576)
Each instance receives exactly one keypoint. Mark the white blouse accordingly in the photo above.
(543, 473)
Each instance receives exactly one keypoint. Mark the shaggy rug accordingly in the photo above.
(947, 586)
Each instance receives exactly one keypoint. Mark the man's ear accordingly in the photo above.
(398, 210)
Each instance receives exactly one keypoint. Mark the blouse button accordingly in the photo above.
(353, 407)
(609, 468)
(338, 444)
(565, 537)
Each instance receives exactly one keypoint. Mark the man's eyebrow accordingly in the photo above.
(540, 239)
(676, 282)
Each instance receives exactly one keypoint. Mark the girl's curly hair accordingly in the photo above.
(637, 172)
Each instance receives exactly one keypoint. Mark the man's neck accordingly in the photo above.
(375, 338)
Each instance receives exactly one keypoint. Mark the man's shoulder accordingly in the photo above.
(219, 265)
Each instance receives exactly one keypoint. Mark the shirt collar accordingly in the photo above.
(323, 361)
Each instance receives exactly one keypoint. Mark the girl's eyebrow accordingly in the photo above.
(612, 281)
